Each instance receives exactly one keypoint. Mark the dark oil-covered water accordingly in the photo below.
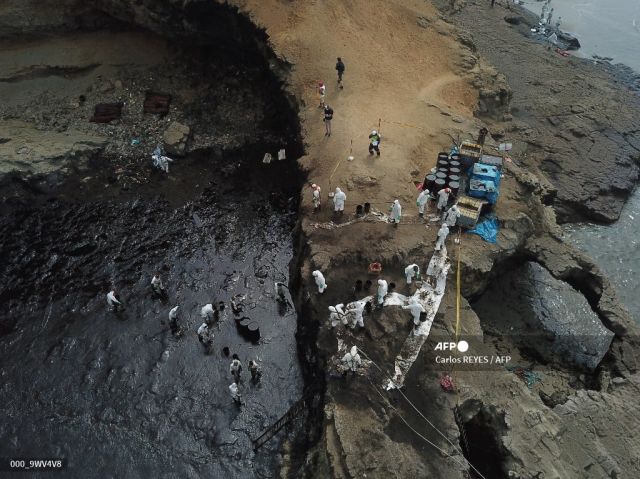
(117, 395)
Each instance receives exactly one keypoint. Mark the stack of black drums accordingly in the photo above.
(447, 174)
(248, 328)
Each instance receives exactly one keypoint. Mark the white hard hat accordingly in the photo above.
(354, 350)
(374, 132)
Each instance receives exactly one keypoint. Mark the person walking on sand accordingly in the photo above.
(383, 288)
(423, 199)
(492, 2)
(339, 197)
(315, 197)
(443, 199)
(328, 116)
(482, 135)
(443, 232)
(396, 212)
(322, 90)
(374, 142)
(340, 70)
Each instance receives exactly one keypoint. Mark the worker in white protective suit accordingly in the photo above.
(235, 394)
(338, 201)
(411, 271)
(207, 313)
(205, 336)
(443, 198)
(451, 216)
(358, 309)
(113, 301)
(443, 232)
(173, 321)
(316, 197)
(320, 282)
(416, 309)
(421, 202)
(352, 360)
(382, 291)
(337, 315)
(396, 212)
(156, 284)
(254, 369)
(280, 294)
(441, 281)
(235, 368)
(161, 161)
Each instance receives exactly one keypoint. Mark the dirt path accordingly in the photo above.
(389, 76)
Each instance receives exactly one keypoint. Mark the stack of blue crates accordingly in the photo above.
(484, 182)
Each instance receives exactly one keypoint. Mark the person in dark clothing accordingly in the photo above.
(340, 70)
(328, 116)
(492, 2)
(482, 134)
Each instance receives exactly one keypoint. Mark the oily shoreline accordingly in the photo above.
(360, 434)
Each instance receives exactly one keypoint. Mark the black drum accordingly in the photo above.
(429, 180)
(440, 175)
(455, 187)
(454, 171)
(443, 155)
(454, 164)
(454, 178)
(439, 184)
(443, 164)
(253, 332)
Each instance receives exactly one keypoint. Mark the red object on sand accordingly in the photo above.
(446, 383)
(375, 268)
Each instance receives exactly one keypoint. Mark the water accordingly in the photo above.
(616, 249)
(607, 28)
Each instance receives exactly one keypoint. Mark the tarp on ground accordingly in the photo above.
(487, 229)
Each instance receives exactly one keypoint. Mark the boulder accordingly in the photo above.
(545, 316)
(514, 19)
(570, 42)
(175, 138)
